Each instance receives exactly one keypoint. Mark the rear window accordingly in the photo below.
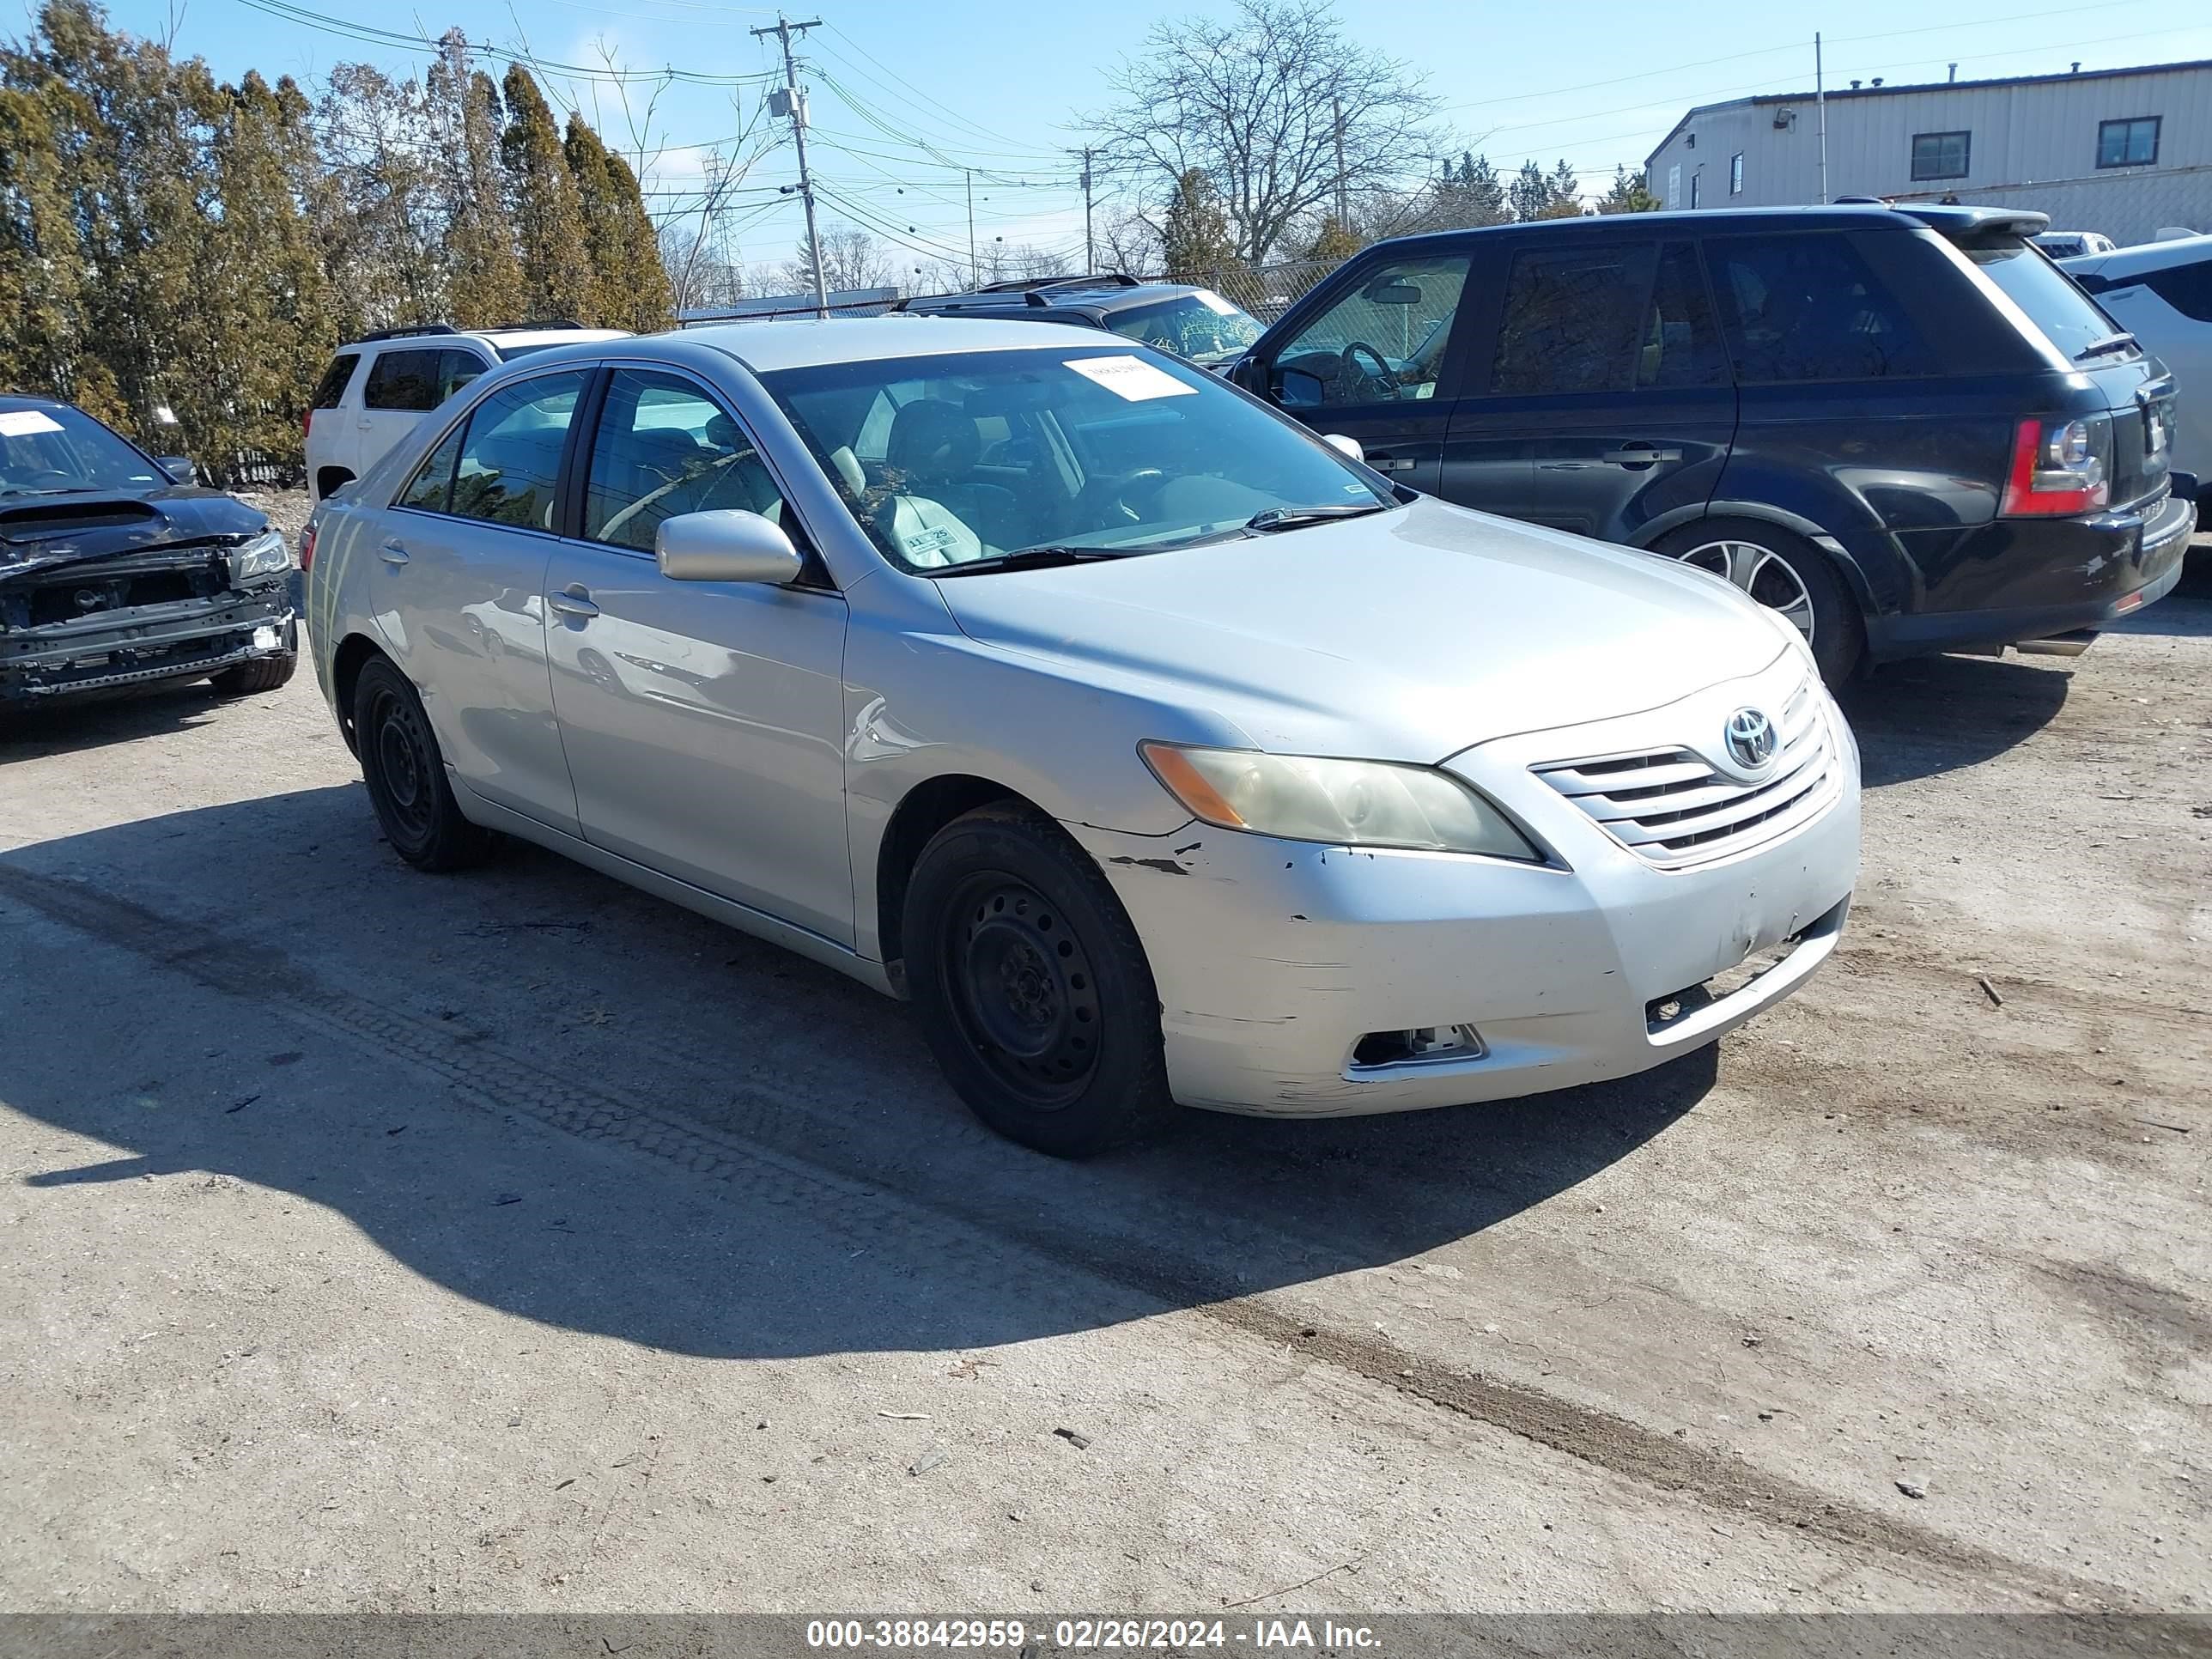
(335, 378)
(2068, 318)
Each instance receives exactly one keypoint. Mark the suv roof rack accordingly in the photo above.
(1032, 284)
(409, 333)
(545, 323)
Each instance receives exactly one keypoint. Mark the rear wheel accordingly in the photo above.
(406, 775)
(1035, 994)
(1785, 573)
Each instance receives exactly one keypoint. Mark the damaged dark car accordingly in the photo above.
(116, 570)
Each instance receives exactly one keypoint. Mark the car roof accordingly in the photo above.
(2146, 256)
(804, 343)
(430, 337)
(1105, 294)
(31, 400)
(522, 337)
(1872, 216)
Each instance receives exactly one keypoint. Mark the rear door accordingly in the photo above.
(458, 583)
(1379, 361)
(404, 384)
(1603, 402)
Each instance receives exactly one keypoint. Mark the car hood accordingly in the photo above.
(1409, 635)
(39, 531)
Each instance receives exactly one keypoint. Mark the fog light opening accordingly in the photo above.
(1417, 1045)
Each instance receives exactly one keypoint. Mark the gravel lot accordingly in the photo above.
(513, 1241)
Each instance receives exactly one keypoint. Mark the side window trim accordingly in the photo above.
(815, 579)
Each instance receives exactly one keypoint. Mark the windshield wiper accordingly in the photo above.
(2110, 343)
(1290, 518)
(1027, 558)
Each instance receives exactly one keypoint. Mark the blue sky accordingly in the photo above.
(925, 89)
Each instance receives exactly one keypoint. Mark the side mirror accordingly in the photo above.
(1295, 389)
(1345, 446)
(726, 545)
(180, 468)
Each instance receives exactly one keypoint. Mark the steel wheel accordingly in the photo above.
(405, 767)
(406, 775)
(1760, 572)
(1024, 990)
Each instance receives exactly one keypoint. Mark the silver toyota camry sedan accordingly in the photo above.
(1158, 749)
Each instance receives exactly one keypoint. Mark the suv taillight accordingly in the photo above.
(2058, 466)
(306, 547)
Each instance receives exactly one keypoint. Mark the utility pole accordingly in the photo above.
(1343, 208)
(975, 270)
(1090, 255)
(795, 107)
(1820, 104)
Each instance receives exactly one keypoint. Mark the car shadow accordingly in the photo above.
(29, 731)
(760, 1158)
(1928, 716)
(2186, 612)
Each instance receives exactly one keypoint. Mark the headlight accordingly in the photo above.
(1347, 802)
(265, 555)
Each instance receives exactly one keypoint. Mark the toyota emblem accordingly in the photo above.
(1750, 739)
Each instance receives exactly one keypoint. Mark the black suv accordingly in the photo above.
(1903, 428)
(1195, 323)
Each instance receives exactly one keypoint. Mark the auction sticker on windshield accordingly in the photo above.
(1131, 378)
(22, 423)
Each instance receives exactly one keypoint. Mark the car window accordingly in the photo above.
(403, 380)
(2066, 317)
(2187, 289)
(1102, 449)
(456, 369)
(510, 459)
(1382, 341)
(331, 388)
(1808, 307)
(664, 448)
(1201, 326)
(1574, 318)
(1682, 342)
(431, 488)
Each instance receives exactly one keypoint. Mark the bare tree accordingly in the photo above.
(1277, 107)
(851, 258)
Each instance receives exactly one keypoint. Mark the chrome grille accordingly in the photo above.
(1673, 808)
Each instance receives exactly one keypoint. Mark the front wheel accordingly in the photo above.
(1032, 985)
(1786, 572)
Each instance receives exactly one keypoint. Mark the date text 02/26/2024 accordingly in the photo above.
(1085, 1635)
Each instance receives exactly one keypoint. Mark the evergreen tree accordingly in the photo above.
(1335, 243)
(557, 278)
(1196, 245)
(376, 206)
(485, 274)
(44, 273)
(1629, 194)
(630, 289)
(1470, 196)
(1530, 193)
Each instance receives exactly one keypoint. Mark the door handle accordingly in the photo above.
(573, 601)
(1392, 463)
(1639, 455)
(391, 552)
(365, 423)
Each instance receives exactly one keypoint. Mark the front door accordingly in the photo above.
(1377, 364)
(703, 721)
(1605, 399)
(458, 585)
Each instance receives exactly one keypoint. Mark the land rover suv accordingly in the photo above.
(1906, 429)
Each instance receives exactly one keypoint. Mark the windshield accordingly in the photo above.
(60, 450)
(2068, 318)
(1201, 326)
(947, 460)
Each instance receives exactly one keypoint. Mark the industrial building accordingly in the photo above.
(2126, 151)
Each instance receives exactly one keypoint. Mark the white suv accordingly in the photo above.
(376, 390)
(2162, 293)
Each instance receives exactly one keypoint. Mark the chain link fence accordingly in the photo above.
(1265, 291)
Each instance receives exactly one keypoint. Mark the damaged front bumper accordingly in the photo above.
(188, 638)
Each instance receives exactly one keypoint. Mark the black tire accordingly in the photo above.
(1032, 985)
(262, 674)
(1838, 625)
(406, 775)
